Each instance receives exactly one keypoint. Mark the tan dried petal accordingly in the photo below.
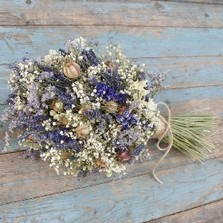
(65, 155)
(56, 105)
(111, 107)
(63, 120)
(84, 107)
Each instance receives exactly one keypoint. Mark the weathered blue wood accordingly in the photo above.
(180, 95)
(183, 72)
(97, 13)
(131, 200)
(193, 52)
(137, 42)
(205, 213)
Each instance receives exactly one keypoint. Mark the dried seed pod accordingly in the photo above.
(65, 155)
(109, 64)
(111, 107)
(84, 107)
(56, 105)
(122, 109)
(71, 70)
(124, 155)
(63, 120)
(82, 131)
(100, 163)
(31, 138)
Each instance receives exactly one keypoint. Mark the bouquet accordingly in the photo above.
(84, 110)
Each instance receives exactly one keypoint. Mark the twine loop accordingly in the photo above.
(165, 129)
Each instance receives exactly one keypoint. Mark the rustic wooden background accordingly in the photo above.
(182, 36)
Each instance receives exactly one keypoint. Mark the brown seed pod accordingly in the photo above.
(122, 109)
(71, 70)
(65, 155)
(109, 64)
(124, 155)
(100, 163)
(56, 105)
(82, 131)
(31, 138)
(63, 120)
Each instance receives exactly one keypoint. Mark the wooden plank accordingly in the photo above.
(217, 2)
(136, 199)
(206, 213)
(185, 72)
(25, 179)
(180, 95)
(109, 13)
(137, 42)
(22, 179)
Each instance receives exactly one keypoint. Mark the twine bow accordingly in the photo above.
(160, 134)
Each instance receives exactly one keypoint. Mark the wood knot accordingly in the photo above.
(28, 2)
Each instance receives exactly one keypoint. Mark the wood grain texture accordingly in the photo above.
(137, 42)
(101, 13)
(206, 213)
(183, 36)
(136, 199)
(211, 2)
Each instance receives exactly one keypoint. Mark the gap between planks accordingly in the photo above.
(174, 217)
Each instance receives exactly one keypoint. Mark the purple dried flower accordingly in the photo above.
(109, 93)
(32, 154)
(33, 97)
(139, 149)
(126, 119)
(90, 57)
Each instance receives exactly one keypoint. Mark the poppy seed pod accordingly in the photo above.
(82, 131)
(71, 70)
(124, 155)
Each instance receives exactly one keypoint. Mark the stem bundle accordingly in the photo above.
(192, 134)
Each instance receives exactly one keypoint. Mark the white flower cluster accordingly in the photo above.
(78, 88)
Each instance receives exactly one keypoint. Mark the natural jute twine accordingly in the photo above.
(165, 129)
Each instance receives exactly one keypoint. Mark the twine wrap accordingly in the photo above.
(163, 130)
